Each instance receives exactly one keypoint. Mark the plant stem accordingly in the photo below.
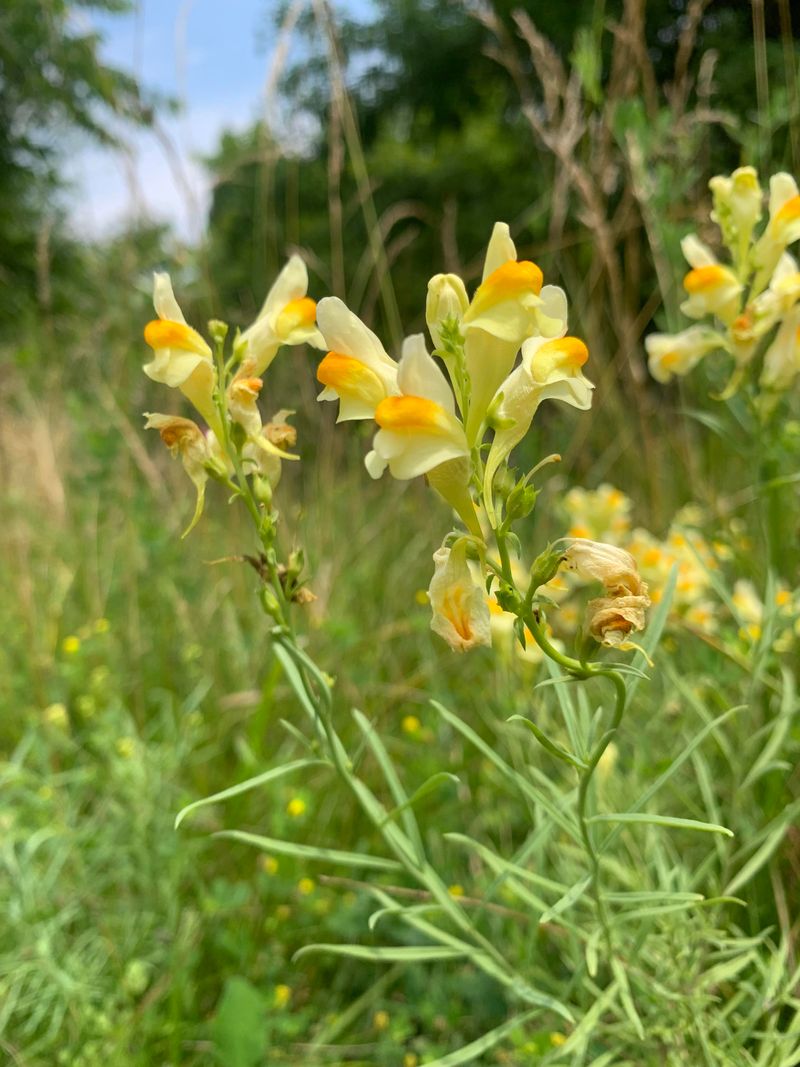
(587, 670)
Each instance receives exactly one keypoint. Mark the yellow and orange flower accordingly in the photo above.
(550, 370)
(357, 370)
(460, 610)
(181, 357)
(287, 317)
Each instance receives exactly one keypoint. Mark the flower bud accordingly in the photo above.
(737, 203)
(447, 301)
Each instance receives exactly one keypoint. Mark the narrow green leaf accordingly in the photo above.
(430, 785)
(251, 783)
(626, 997)
(399, 794)
(470, 1053)
(311, 852)
(564, 820)
(569, 898)
(387, 954)
(679, 760)
(551, 746)
(655, 627)
(762, 854)
(661, 820)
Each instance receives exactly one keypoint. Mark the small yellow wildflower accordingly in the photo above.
(380, 1020)
(411, 1059)
(70, 645)
(101, 626)
(456, 890)
(283, 913)
(306, 886)
(782, 598)
(56, 715)
(296, 807)
(269, 865)
(411, 724)
(557, 1040)
(125, 747)
(281, 996)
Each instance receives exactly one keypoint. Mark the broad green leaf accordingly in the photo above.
(311, 852)
(251, 783)
(239, 1028)
(661, 820)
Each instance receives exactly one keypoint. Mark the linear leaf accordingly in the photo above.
(469, 1053)
(569, 898)
(311, 852)
(244, 787)
(552, 747)
(661, 820)
(399, 794)
(655, 627)
(565, 821)
(386, 954)
(428, 786)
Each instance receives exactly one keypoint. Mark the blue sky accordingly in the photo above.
(216, 58)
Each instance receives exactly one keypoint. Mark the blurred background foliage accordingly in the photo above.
(135, 675)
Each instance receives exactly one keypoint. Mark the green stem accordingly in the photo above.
(587, 670)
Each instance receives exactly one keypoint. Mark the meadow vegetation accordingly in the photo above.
(138, 671)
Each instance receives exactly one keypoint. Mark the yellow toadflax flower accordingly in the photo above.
(677, 353)
(182, 358)
(612, 618)
(782, 358)
(711, 288)
(550, 370)
(357, 370)
(185, 439)
(286, 318)
(508, 306)
(420, 433)
(419, 429)
(460, 610)
(613, 567)
(783, 227)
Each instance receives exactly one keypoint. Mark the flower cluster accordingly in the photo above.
(753, 300)
(496, 356)
(184, 360)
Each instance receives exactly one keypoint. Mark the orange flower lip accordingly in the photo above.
(411, 413)
(509, 282)
(299, 312)
(346, 374)
(701, 279)
(789, 211)
(164, 333)
(572, 350)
